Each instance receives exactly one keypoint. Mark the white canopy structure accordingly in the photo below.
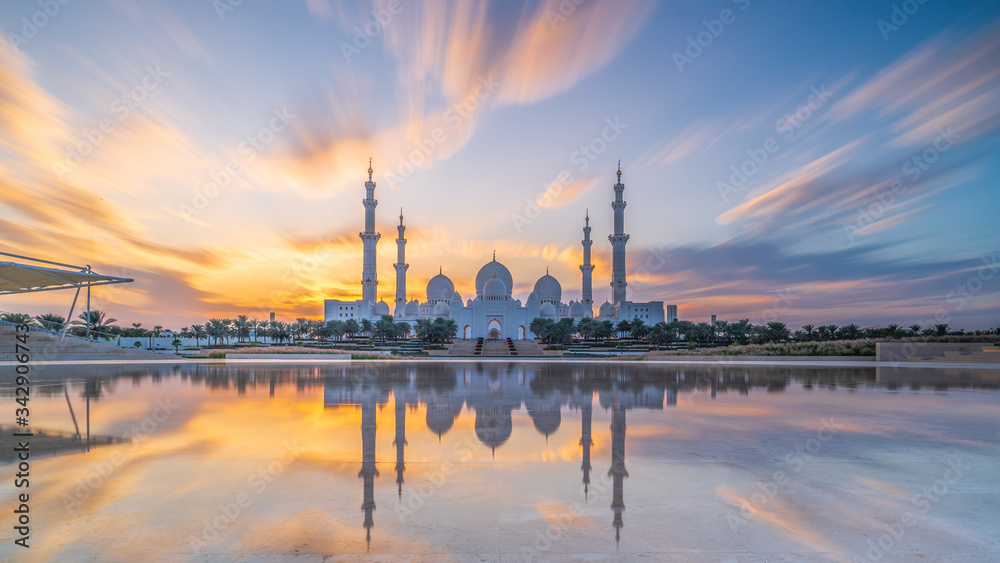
(26, 278)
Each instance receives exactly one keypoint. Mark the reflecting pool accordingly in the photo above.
(508, 461)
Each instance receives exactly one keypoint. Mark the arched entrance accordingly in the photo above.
(494, 330)
(467, 333)
(520, 332)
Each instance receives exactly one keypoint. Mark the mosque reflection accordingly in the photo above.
(494, 392)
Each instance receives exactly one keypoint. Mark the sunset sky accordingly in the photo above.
(875, 126)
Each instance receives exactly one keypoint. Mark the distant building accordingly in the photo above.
(671, 313)
(713, 320)
(493, 312)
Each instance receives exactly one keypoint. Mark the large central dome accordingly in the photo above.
(491, 270)
(440, 288)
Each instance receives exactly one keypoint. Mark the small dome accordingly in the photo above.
(442, 310)
(577, 311)
(492, 270)
(607, 310)
(412, 309)
(456, 297)
(494, 289)
(547, 288)
(381, 308)
(439, 420)
(547, 310)
(440, 287)
(532, 296)
(547, 421)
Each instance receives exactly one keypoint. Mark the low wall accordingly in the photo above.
(776, 359)
(931, 351)
(302, 357)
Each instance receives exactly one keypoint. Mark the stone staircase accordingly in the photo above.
(494, 348)
(465, 348)
(527, 348)
(46, 346)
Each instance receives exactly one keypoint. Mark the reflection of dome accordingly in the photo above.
(412, 309)
(547, 421)
(532, 296)
(548, 289)
(439, 288)
(607, 310)
(577, 310)
(547, 310)
(439, 420)
(494, 290)
(381, 308)
(491, 270)
(442, 309)
(493, 426)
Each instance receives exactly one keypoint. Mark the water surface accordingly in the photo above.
(510, 461)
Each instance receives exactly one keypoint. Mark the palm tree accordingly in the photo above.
(198, 332)
(301, 327)
(915, 329)
(366, 327)
(16, 318)
(97, 321)
(351, 327)
(892, 330)
(638, 329)
(51, 322)
(623, 327)
(176, 344)
(850, 332)
(241, 326)
(809, 331)
(941, 329)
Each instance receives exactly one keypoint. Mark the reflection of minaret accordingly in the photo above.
(618, 240)
(617, 470)
(400, 267)
(369, 276)
(400, 442)
(587, 269)
(368, 470)
(586, 441)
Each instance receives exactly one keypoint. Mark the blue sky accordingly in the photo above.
(834, 225)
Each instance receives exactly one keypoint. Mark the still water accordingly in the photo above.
(508, 461)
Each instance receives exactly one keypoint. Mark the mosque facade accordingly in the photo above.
(492, 313)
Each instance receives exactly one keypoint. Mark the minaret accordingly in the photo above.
(586, 441)
(618, 240)
(617, 471)
(368, 471)
(369, 277)
(587, 269)
(400, 441)
(401, 267)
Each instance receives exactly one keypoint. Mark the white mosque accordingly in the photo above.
(493, 313)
